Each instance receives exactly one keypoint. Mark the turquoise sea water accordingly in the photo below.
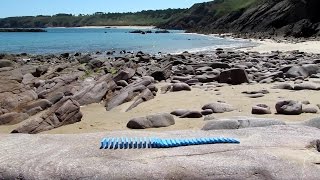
(59, 40)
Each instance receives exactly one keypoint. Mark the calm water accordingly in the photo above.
(58, 40)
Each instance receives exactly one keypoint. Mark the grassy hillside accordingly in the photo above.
(143, 18)
(202, 14)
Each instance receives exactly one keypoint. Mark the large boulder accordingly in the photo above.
(219, 107)
(289, 107)
(234, 76)
(240, 122)
(66, 111)
(152, 121)
(93, 91)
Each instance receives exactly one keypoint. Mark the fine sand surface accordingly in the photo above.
(97, 119)
(270, 45)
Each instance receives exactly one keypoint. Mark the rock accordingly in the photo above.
(219, 107)
(40, 70)
(278, 159)
(12, 118)
(216, 65)
(84, 59)
(261, 109)
(315, 122)
(289, 107)
(303, 71)
(179, 112)
(95, 63)
(166, 88)
(66, 111)
(56, 97)
(124, 74)
(6, 63)
(240, 122)
(206, 112)
(209, 118)
(263, 91)
(94, 91)
(122, 83)
(180, 87)
(43, 103)
(152, 121)
(128, 93)
(259, 95)
(234, 76)
(310, 109)
(305, 86)
(146, 95)
(160, 73)
(34, 111)
(192, 114)
(283, 86)
(28, 79)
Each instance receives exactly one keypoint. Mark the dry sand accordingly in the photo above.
(270, 45)
(97, 119)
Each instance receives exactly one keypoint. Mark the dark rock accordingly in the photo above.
(179, 112)
(122, 83)
(160, 73)
(152, 121)
(234, 76)
(259, 95)
(192, 114)
(219, 107)
(261, 109)
(95, 63)
(66, 111)
(289, 107)
(84, 59)
(283, 86)
(180, 87)
(206, 112)
(40, 70)
(216, 65)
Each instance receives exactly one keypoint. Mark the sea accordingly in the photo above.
(71, 40)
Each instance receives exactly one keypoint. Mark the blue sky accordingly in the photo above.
(50, 7)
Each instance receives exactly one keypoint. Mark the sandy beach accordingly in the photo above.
(268, 45)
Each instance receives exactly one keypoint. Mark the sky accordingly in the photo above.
(10, 8)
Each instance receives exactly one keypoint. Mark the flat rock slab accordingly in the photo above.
(277, 152)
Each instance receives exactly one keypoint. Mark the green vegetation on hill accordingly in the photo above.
(143, 18)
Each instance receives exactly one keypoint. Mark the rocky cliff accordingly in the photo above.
(296, 18)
